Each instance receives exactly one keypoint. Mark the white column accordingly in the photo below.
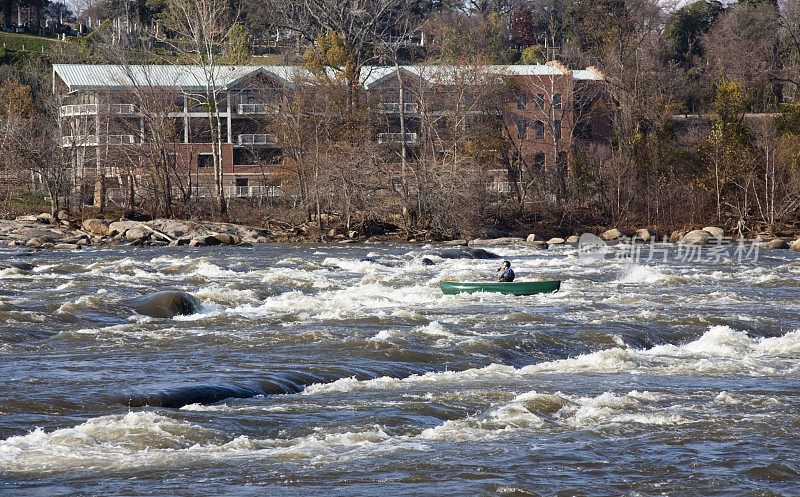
(228, 99)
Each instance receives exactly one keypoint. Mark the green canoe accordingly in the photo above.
(513, 288)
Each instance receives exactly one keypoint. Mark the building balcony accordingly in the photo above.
(262, 108)
(79, 110)
(93, 141)
(94, 109)
(252, 191)
(410, 138)
(394, 107)
(256, 139)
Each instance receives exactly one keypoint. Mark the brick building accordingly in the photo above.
(109, 111)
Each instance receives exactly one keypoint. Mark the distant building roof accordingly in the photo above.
(79, 77)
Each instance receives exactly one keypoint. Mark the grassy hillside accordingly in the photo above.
(13, 41)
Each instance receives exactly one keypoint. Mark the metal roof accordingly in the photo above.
(192, 78)
(587, 74)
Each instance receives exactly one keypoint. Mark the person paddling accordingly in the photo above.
(505, 273)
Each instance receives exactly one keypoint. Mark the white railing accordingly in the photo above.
(256, 139)
(122, 109)
(94, 109)
(252, 191)
(117, 139)
(410, 138)
(394, 107)
(79, 110)
(256, 108)
(92, 140)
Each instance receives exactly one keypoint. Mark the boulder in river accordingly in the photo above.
(96, 226)
(573, 239)
(555, 241)
(508, 240)
(676, 236)
(611, 235)
(468, 253)
(644, 235)
(533, 237)
(715, 231)
(776, 244)
(167, 304)
(795, 246)
(696, 237)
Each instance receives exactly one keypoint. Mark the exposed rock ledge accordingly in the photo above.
(36, 232)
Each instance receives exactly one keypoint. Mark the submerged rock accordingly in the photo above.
(167, 304)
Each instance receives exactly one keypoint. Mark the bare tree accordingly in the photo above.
(204, 26)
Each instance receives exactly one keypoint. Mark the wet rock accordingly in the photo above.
(643, 235)
(776, 244)
(138, 232)
(494, 233)
(427, 262)
(573, 239)
(203, 241)
(555, 241)
(696, 237)
(468, 253)
(166, 304)
(119, 228)
(509, 240)
(676, 236)
(795, 246)
(96, 226)
(453, 243)
(44, 218)
(227, 239)
(171, 227)
(611, 235)
(715, 231)
(533, 237)
(67, 246)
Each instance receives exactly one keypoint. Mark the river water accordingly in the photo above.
(351, 374)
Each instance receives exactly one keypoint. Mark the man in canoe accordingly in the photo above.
(505, 273)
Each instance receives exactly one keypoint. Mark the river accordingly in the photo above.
(359, 377)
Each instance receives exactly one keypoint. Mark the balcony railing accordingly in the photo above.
(92, 140)
(122, 109)
(410, 138)
(257, 108)
(252, 191)
(79, 110)
(394, 107)
(94, 109)
(256, 139)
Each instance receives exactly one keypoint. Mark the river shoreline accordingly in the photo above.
(38, 232)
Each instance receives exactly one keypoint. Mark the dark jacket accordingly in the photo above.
(505, 274)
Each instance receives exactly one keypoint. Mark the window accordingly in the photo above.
(562, 160)
(557, 101)
(538, 160)
(242, 182)
(522, 101)
(557, 129)
(522, 130)
(205, 160)
(538, 101)
(538, 130)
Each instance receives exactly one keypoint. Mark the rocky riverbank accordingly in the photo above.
(40, 232)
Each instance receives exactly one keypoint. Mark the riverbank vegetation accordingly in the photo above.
(702, 100)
